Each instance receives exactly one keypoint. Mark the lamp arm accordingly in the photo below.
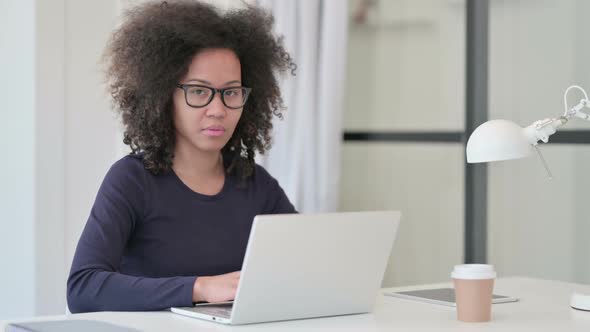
(576, 110)
(542, 129)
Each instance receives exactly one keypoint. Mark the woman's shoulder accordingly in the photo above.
(125, 181)
(128, 168)
(261, 177)
(129, 162)
(260, 173)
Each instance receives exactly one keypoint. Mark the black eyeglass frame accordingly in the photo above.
(221, 92)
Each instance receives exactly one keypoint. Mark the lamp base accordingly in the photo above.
(580, 302)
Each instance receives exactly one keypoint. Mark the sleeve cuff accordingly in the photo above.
(187, 291)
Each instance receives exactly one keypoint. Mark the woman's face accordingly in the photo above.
(207, 128)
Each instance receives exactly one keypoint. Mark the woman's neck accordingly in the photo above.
(196, 163)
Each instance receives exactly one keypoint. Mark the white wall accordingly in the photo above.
(425, 182)
(90, 125)
(49, 163)
(406, 67)
(17, 143)
(58, 139)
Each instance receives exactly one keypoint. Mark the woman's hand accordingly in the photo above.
(218, 288)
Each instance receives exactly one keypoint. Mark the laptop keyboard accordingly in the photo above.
(223, 311)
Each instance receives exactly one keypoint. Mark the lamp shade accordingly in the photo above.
(498, 140)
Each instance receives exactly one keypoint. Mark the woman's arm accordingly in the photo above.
(94, 283)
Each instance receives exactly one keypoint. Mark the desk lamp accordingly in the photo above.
(504, 140)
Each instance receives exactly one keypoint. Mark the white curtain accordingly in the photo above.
(305, 157)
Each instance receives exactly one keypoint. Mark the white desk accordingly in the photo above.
(544, 306)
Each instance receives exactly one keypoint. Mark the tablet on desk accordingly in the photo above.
(442, 296)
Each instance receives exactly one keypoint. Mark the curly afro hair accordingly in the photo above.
(153, 48)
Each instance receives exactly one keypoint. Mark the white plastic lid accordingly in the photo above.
(580, 301)
(473, 271)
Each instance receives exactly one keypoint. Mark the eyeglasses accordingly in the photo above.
(200, 95)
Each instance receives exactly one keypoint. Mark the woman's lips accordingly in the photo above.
(214, 131)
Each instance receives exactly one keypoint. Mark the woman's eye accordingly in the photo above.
(198, 91)
(230, 93)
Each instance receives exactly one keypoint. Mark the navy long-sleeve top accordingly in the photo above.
(149, 237)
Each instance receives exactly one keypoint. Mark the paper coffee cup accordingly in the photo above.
(474, 285)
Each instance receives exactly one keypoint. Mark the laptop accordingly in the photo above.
(303, 266)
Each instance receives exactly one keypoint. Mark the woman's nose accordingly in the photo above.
(216, 108)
